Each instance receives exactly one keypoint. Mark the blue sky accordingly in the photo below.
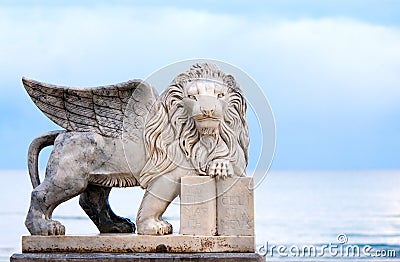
(330, 69)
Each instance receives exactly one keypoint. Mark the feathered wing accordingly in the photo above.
(96, 109)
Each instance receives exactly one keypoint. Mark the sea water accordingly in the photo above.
(293, 209)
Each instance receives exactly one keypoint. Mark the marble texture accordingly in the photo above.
(131, 243)
(198, 206)
(127, 135)
(223, 207)
(235, 207)
(138, 257)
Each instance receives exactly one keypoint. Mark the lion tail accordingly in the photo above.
(35, 147)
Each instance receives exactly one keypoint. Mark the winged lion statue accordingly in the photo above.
(125, 135)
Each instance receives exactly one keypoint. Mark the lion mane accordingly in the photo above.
(170, 129)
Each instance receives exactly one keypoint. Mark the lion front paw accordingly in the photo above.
(153, 227)
(220, 168)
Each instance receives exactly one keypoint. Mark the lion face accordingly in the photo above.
(204, 101)
(200, 117)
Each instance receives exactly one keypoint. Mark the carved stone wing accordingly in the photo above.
(96, 109)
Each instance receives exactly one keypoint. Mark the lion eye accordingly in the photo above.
(220, 95)
(192, 97)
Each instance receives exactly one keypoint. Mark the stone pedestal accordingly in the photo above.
(140, 257)
(131, 247)
(132, 243)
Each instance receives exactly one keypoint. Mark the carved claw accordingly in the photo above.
(154, 227)
(45, 227)
(220, 168)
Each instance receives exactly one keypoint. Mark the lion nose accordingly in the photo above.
(207, 112)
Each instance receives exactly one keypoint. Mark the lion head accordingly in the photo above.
(198, 118)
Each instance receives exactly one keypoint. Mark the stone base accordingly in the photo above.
(131, 243)
(142, 257)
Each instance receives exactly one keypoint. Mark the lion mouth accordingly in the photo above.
(207, 125)
(205, 118)
(209, 131)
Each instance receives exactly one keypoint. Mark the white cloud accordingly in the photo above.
(300, 62)
(337, 57)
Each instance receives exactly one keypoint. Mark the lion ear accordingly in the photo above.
(181, 79)
(230, 81)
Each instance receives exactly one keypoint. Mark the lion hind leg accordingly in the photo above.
(62, 182)
(94, 201)
(44, 199)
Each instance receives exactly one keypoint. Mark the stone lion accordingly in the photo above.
(125, 135)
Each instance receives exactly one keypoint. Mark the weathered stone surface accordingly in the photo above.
(122, 243)
(140, 257)
(198, 206)
(235, 207)
(126, 135)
